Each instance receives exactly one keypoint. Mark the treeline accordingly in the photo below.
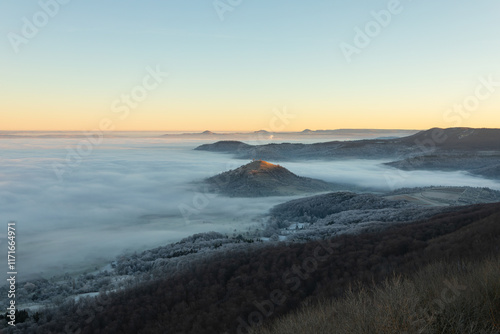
(315, 207)
(248, 287)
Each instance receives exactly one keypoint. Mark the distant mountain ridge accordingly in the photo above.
(474, 150)
(452, 138)
(224, 146)
(457, 138)
(260, 178)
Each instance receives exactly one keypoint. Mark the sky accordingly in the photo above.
(240, 65)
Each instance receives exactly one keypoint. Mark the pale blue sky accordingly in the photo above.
(265, 54)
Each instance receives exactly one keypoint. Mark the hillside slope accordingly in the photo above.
(261, 178)
(234, 290)
(441, 298)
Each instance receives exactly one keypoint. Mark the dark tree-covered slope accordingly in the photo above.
(255, 284)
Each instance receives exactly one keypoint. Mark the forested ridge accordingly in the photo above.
(230, 292)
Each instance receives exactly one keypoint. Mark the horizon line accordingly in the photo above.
(253, 131)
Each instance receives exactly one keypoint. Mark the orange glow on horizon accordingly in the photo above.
(52, 117)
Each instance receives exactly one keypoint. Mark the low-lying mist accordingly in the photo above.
(372, 175)
(131, 194)
(126, 195)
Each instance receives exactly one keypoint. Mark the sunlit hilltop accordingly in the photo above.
(260, 178)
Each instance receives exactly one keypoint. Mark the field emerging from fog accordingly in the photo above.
(137, 191)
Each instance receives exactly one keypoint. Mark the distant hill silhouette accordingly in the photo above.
(261, 178)
(224, 146)
(457, 138)
(463, 139)
(474, 150)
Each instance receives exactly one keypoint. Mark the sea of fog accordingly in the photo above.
(130, 193)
